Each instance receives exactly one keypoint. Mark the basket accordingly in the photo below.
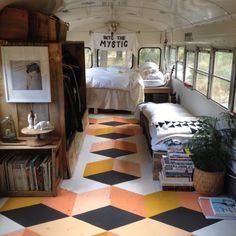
(38, 26)
(13, 23)
(208, 183)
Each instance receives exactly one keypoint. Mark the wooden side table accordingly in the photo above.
(158, 90)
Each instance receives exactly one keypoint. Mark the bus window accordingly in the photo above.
(172, 58)
(88, 57)
(180, 63)
(221, 81)
(152, 54)
(203, 71)
(115, 58)
(189, 69)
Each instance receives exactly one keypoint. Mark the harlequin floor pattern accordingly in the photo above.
(110, 194)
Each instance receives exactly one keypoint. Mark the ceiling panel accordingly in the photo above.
(167, 14)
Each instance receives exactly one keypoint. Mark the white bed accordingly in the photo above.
(167, 121)
(114, 88)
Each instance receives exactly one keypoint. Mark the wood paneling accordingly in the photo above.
(54, 111)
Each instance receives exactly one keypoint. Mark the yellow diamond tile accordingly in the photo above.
(18, 202)
(98, 167)
(106, 234)
(66, 227)
(149, 227)
(159, 202)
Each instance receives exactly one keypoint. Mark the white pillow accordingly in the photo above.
(149, 66)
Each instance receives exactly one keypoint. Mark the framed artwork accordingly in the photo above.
(26, 74)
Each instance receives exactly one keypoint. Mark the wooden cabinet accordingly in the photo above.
(30, 171)
(55, 110)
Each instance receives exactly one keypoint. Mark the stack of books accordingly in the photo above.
(218, 207)
(25, 172)
(177, 170)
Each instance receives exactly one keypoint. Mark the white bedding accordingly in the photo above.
(114, 88)
(168, 121)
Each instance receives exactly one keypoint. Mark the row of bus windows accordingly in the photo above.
(123, 58)
(208, 71)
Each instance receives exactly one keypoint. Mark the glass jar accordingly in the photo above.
(8, 131)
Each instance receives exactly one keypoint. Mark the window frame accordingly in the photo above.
(169, 61)
(193, 68)
(91, 57)
(201, 72)
(232, 90)
(151, 48)
(180, 62)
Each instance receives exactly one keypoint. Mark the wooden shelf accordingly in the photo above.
(157, 94)
(157, 90)
(53, 155)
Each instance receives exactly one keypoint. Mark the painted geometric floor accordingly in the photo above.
(111, 194)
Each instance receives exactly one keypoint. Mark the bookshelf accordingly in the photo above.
(30, 171)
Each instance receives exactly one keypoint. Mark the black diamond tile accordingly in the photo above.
(108, 217)
(114, 123)
(111, 177)
(114, 135)
(33, 215)
(113, 152)
(185, 219)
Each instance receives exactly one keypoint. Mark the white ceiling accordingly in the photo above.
(161, 15)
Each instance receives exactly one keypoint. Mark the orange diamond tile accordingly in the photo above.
(98, 130)
(127, 167)
(189, 200)
(24, 232)
(29, 232)
(63, 202)
(122, 145)
(92, 200)
(128, 201)
(117, 118)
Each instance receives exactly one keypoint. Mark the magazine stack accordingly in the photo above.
(218, 207)
(177, 170)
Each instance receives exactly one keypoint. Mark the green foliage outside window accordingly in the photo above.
(223, 64)
(149, 54)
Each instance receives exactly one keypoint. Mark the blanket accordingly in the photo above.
(167, 120)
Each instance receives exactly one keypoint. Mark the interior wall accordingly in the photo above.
(195, 102)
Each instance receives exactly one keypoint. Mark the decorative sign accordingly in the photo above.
(118, 42)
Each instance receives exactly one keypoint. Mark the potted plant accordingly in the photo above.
(212, 147)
